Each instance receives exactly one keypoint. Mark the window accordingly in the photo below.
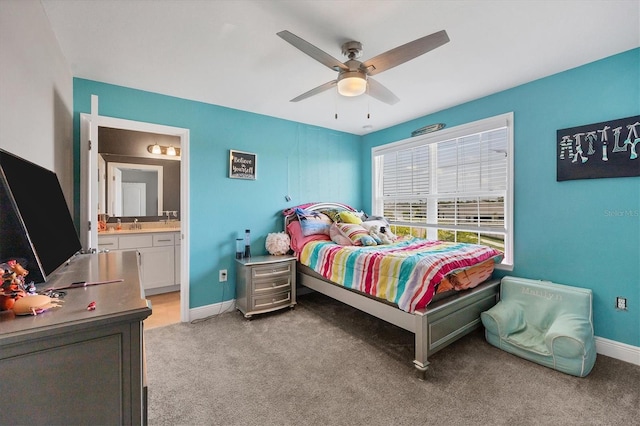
(451, 185)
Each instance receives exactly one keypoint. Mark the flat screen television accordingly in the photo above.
(35, 222)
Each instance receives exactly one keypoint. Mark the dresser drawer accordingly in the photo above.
(271, 300)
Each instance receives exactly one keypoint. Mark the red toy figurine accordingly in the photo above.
(12, 287)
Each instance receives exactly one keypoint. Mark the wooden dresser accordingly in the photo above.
(70, 365)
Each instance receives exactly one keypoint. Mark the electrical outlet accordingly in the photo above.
(222, 275)
(621, 303)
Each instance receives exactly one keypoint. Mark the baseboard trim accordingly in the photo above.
(618, 350)
(202, 312)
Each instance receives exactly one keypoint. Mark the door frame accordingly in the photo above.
(89, 124)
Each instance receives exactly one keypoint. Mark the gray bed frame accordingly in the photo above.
(442, 322)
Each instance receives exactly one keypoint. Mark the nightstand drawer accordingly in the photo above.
(270, 271)
(271, 301)
(270, 285)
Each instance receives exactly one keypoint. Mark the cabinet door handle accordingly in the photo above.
(164, 240)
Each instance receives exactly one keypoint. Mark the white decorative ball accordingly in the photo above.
(277, 243)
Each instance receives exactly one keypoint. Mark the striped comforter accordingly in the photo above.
(405, 273)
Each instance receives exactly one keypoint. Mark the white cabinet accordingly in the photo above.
(159, 257)
(156, 266)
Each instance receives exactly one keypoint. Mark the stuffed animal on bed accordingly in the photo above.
(373, 234)
(381, 228)
(382, 234)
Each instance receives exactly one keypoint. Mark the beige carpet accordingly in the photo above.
(325, 363)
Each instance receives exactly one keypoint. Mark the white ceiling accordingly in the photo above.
(227, 52)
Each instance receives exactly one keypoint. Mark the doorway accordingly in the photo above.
(89, 191)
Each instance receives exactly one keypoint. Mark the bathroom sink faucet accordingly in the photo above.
(170, 213)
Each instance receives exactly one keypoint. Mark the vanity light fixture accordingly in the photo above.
(164, 150)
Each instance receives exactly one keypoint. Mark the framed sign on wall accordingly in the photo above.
(599, 150)
(242, 165)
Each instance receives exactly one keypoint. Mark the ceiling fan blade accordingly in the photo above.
(404, 53)
(326, 86)
(308, 48)
(380, 92)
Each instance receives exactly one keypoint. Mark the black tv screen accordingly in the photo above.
(35, 221)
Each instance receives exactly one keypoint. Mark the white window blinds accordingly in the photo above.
(452, 185)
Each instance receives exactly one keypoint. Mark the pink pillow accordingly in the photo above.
(298, 240)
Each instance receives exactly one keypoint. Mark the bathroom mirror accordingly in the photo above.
(134, 190)
(132, 182)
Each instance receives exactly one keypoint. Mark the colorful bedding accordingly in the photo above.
(405, 273)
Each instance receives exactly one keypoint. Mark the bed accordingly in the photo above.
(436, 318)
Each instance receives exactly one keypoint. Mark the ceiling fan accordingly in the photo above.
(354, 77)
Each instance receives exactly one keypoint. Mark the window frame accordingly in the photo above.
(504, 120)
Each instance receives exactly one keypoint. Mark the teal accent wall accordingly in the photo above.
(584, 233)
(306, 162)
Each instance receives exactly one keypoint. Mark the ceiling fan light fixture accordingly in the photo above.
(352, 83)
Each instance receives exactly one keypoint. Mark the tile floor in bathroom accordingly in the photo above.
(166, 310)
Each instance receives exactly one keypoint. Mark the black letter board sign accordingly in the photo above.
(242, 165)
(600, 150)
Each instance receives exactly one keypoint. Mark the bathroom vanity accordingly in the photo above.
(159, 254)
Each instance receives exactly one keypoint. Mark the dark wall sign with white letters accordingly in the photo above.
(242, 165)
(600, 150)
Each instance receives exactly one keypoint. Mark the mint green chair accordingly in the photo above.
(550, 324)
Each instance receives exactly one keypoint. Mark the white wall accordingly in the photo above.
(36, 91)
